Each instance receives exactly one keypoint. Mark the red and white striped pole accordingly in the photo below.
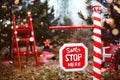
(97, 54)
(97, 40)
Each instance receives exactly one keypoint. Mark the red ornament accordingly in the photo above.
(47, 42)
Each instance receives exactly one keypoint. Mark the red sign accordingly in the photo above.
(73, 57)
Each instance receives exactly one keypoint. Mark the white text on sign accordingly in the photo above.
(73, 57)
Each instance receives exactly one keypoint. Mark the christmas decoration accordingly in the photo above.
(47, 52)
(29, 40)
(43, 18)
(16, 1)
(97, 41)
(6, 63)
(106, 54)
(115, 31)
(115, 57)
(47, 42)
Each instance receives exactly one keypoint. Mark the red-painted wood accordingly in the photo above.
(17, 37)
(68, 27)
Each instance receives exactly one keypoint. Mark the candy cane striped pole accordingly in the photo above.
(97, 43)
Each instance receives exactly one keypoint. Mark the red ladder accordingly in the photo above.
(28, 40)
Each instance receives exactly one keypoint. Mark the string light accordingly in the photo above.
(21, 23)
(42, 1)
(109, 1)
(0, 20)
(29, 13)
(11, 27)
(6, 25)
(16, 1)
(42, 23)
(24, 20)
(32, 3)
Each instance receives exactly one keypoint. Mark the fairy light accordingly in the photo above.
(6, 25)
(0, 20)
(24, 20)
(42, 23)
(21, 23)
(42, 1)
(32, 3)
(11, 27)
(29, 13)
(16, 1)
